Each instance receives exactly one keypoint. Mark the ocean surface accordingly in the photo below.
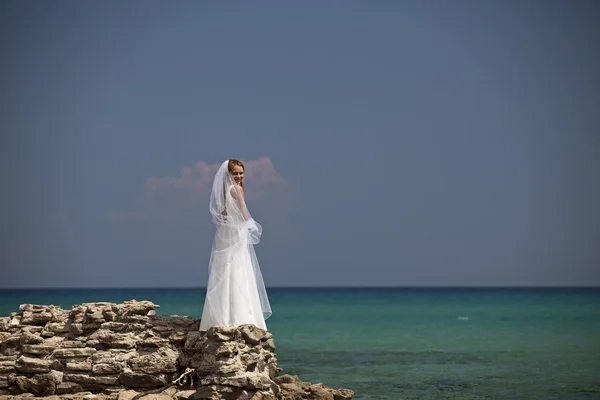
(412, 343)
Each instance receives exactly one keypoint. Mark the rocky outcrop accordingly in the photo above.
(117, 350)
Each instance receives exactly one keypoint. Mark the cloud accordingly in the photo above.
(185, 197)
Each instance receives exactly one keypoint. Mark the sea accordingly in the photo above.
(411, 343)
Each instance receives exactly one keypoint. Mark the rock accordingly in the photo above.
(83, 378)
(64, 353)
(76, 314)
(72, 344)
(252, 334)
(264, 396)
(32, 365)
(68, 387)
(112, 360)
(15, 322)
(113, 391)
(223, 349)
(178, 336)
(161, 361)
(141, 380)
(134, 307)
(57, 327)
(156, 397)
(244, 380)
(47, 334)
(58, 365)
(38, 349)
(78, 366)
(4, 324)
(127, 395)
(114, 326)
(133, 319)
(102, 350)
(30, 338)
(268, 345)
(74, 328)
(88, 326)
(222, 333)
(154, 342)
(259, 382)
(7, 369)
(341, 394)
(44, 385)
(107, 369)
(93, 315)
(32, 307)
(109, 315)
(318, 392)
(184, 394)
(217, 392)
(112, 339)
(36, 317)
(174, 323)
(291, 387)
(10, 345)
(195, 341)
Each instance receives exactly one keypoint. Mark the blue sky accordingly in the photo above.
(387, 143)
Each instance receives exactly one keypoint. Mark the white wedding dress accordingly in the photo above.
(235, 293)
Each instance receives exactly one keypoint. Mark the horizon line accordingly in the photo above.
(315, 287)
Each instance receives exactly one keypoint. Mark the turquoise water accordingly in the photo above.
(412, 343)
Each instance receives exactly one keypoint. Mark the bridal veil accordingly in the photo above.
(236, 292)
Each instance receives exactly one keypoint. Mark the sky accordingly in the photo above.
(387, 143)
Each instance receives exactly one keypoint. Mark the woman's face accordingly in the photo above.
(238, 174)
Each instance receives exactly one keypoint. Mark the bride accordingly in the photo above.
(235, 294)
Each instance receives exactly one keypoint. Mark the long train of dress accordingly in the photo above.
(236, 293)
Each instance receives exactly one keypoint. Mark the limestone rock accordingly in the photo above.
(31, 318)
(163, 360)
(264, 396)
(268, 345)
(7, 369)
(112, 339)
(134, 307)
(15, 322)
(72, 344)
(102, 350)
(195, 341)
(252, 334)
(127, 395)
(79, 352)
(153, 342)
(108, 368)
(87, 378)
(341, 394)
(78, 366)
(4, 324)
(68, 387)
(30, 338)
(38, 349)
(141, 380)
(32, 365)
(10, 345)
(114, 326)
(57, 327)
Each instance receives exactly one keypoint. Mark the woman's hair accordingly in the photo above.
(233, 163)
